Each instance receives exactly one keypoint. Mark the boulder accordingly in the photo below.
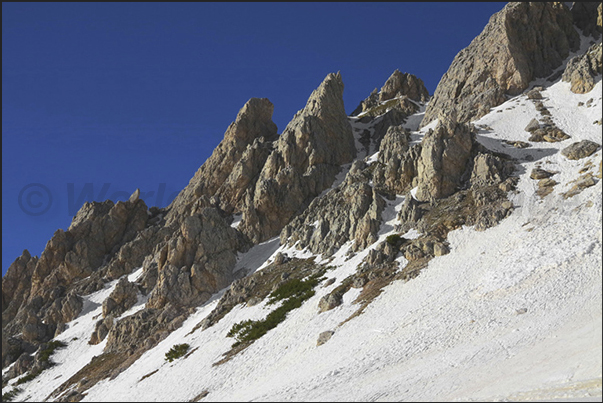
(580, 149)
(330, 301)
(533, 125)
(324, 337)
(538, 173)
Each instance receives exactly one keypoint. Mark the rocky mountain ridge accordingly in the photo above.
(317, 187)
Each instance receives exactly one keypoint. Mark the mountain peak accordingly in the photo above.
(513, 49)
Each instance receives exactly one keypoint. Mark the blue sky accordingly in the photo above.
(99, 99)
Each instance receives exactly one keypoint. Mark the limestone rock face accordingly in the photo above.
(582, 69)
(444, 156)
(521, 42)
(397, 162)
(123, 297)
(253, 125)
(96, 233)
(16, 285)
(351, 211)
(196, 261)
(304, 162)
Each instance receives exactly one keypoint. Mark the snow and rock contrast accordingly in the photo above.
(420, 249)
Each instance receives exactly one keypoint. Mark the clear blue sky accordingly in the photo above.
(137, 95)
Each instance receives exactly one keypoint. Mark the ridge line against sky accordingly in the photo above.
(137, 95)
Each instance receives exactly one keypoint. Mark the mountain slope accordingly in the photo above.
(452, 261)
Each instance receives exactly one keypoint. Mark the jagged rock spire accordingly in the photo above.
(397, 85)
(252, 126)
(305, 160)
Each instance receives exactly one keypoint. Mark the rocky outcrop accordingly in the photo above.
(580, 149)
(234, 163)
(489, 169)
(515, 47)
(43, 295)
(16, 285)
(582, 70)
(396, 167)
(445, 152)
(304, 162)
(101, 329)
(195, 262)
(351, 211)
(143, 329)
(95, 235)
(122, 298)
(398, 85)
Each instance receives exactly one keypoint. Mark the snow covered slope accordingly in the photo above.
(513, 312)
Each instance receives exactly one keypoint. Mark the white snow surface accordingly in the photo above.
(511, 313)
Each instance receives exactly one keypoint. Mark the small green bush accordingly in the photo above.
(28, 377)
(9, 396)
(48, 351)
(293, 287)
(393, 239)
(177, 351)
(294, 292)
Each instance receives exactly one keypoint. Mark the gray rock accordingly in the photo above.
(122, 298)
(533, 125)
(489, 169)
(330, 301)
(280, 258)
(539, 173)
(579, 150)
(234, 163)
(534, 94)
(582, 183)
(587, 17)
(397, 85)
(440, 249)
(101, 330)
(324, 337)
